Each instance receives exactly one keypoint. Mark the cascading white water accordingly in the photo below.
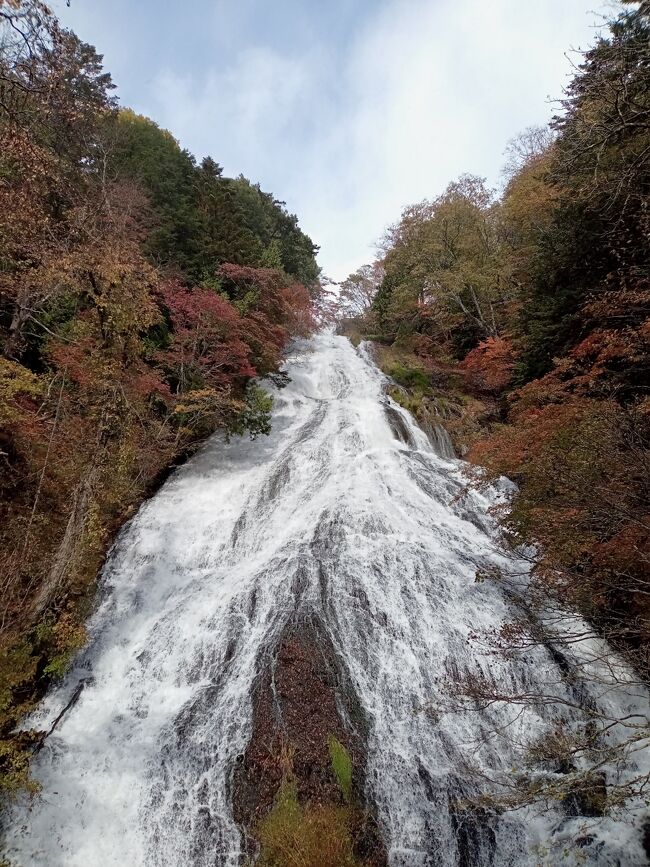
(347, 511)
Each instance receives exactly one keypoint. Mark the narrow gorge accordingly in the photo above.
(282, 621)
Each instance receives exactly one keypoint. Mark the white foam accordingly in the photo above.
(334, 514)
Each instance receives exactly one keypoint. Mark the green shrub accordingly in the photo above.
(409, 377)
(341, 765)
(314, 836)
(255, 415)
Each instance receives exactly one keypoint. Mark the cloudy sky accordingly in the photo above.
(346, 109)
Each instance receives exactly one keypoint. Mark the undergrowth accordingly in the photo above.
(315, 835)
(341, 765)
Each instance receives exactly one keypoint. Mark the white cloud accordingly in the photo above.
(243, 115)
(424, 90)
(436, 89)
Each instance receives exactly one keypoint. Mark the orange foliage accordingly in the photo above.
(490, 365)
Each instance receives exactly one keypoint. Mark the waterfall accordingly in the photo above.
(347, 510)
(440, 441)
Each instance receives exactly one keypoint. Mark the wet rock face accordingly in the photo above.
(646, 839)
(300, 704)
(589, 798)
(397, 424)
(475, 836)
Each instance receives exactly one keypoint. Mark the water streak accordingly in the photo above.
(347, 511)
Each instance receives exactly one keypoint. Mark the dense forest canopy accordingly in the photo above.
(140, 295)
(522, 320)
(201, 217)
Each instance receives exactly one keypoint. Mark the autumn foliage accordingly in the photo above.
(126, 334)
(490, 365)
(529, 314)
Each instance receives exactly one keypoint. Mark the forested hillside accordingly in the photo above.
(140, 294)
(520, 320)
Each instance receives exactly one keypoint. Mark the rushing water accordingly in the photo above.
(345, 512)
